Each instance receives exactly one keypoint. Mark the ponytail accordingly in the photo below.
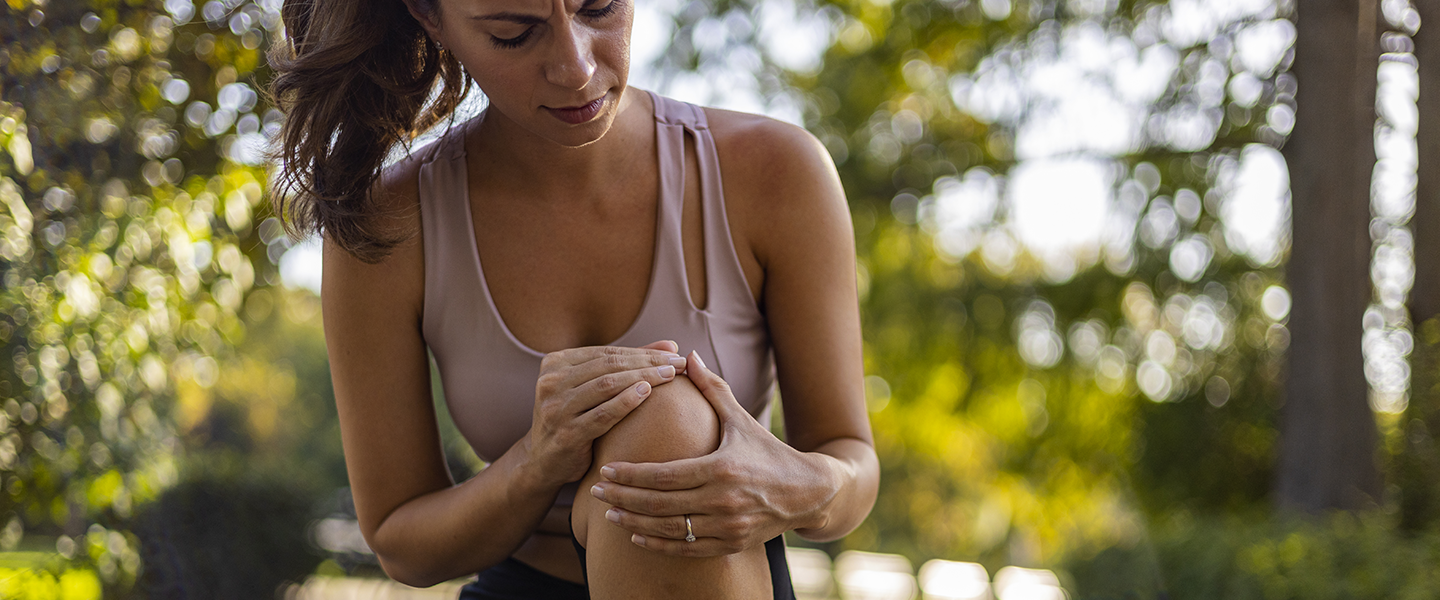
(353, 78)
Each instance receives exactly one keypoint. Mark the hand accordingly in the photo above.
(751, 489)
(583, 392)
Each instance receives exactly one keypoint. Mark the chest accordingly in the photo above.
(574, 271)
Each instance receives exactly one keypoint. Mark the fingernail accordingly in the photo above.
(698, 360)
(597, 491)
(612, 515)
(643, 389)
(607, 472)
(678, 362)
(666, 372)
(638, 539)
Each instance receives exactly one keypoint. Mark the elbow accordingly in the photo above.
(403, 566)
(407, 574)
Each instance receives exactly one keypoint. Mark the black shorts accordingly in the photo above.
(515, 580)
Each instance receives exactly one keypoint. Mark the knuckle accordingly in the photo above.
(727, 471)
(608, 383)
(548, 382)
(631, 402)
(734, 547)
(604, 415)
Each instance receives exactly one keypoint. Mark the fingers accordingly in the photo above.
(672, 527)
(663, 346)
(650, 502)
(576, 356)
(600, 419)
(714, 389)
(702, 546)
(615, 363)
(608, 384)
(680, 474)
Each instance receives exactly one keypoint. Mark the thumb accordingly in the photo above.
(714, 389)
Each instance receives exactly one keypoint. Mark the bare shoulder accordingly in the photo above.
(760, 146)
(778, 178)
(399, 276)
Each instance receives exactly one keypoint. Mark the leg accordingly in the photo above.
(675, 422)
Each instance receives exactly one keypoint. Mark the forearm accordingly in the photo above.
(464, 528)
(853, 474)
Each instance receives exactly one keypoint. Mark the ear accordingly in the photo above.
(425, 18)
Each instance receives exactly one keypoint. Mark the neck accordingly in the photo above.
(516, 159)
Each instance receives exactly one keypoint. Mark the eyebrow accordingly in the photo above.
(511, 17)
(522, 18)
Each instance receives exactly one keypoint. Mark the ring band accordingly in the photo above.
(689, 530)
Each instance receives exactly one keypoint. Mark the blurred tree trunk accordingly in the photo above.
(1328, 439)
(1419, 462)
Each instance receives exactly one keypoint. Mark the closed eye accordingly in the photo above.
(604, 11)
(519, 40)
(513, 42)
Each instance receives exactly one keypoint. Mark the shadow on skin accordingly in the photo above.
(675, 422)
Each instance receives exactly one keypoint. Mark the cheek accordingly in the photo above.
(614, 47)
(504, 83)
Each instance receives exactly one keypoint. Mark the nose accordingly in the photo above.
(571, 63)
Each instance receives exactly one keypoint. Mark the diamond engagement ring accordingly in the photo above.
(689, 530)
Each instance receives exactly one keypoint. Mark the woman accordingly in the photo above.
(616, 229)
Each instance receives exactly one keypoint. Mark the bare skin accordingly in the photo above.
(676, 422)
(536, 180)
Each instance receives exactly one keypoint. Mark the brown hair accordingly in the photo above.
(353, 79)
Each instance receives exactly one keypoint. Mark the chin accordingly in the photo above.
(584, 135)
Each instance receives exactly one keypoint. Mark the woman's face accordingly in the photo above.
(557, 68)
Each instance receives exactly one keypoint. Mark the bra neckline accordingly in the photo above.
(469, 213)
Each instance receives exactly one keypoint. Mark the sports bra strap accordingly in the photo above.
(726, 290)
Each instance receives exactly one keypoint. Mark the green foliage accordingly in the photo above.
(227, 531)
(985, 455)
(123, 205)
(42, 576)
(1255, 556)
(1410, 443)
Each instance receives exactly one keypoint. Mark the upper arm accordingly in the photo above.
(380, 368)
(787, 204)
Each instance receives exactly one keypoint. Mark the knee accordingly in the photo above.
(674, 422)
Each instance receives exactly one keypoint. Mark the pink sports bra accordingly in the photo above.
(489, 376)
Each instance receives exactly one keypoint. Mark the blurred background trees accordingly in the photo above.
(1073, 220)
(133, 134)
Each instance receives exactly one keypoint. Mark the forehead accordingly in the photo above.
(468, 9)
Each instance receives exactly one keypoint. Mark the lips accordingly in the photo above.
(578, 114)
